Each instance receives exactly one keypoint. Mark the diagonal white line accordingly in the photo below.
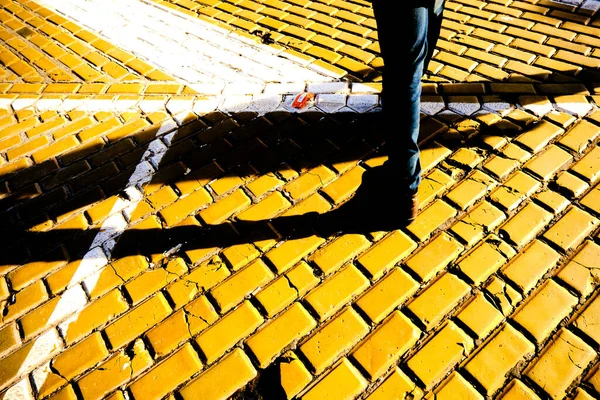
(189, 49)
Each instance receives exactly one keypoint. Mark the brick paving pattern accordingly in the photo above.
(157, 222)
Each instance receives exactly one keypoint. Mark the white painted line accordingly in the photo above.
(192, 50)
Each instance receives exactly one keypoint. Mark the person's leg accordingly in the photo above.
(407, 35)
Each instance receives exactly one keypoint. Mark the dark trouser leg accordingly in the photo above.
(407, 36)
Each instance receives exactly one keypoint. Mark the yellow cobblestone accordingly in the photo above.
(480, 316)
(471, 189)
(343, 380)
(336, 290)
(333, 339)
(453, 386)
(572, 229)
(526, 224)
(292, 251)
(433, 304)
(435, 256)
(268, 207)
(588, 166)
(111, 374)
(544, 309)
(221, 380)
(587, 320)
(483, 217)
(309, 182)
(294, 375)
(389, 293)
(548, 163)
(491, 364)
(530, 265)
(344, 186)
(396, 384)
(232, 291)
(185, 206)
(517, 390)
(440, 354)
(167, 375)
(580, 136)
(289, 326)
(153, 280)
(580, 273)
(332, 256)
(431, 218)
(485, 259)
(25, 300)
(562, 361)
(386, 344)
(386, 253)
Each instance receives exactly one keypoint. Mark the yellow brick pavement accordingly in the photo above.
(156, 246)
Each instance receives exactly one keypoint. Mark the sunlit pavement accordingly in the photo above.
(160, 187)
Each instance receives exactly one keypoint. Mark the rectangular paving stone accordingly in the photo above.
(292, 251)
(344, 186)
(588, 166)
(544, 309)
(334, 254)
(167, 375)
(229, 330)
(152, 281)
(337, 290)
(560, 363)
(580, 272)
(386, 253)
(25, 300)
(111, 374)
(484, 217)
(571, 229)
(527, 268)
(137, 321)
(434, 256)
(386, 344)
(548, 163)
(431, 218)
(580, 136)
(221, 380)
(440, 354)
(290, 325)
(267, 208)
(485, 259)
(309, 182)
(524, 226)
(456, 385)
(333, 339)
(587, 320)
(433, 185)
(438, 299)
(396, 384)
(471, 189)
(492, 362)
(232, 291)
(185, 206)
(480, 316)
(343, 380)
(389, 293)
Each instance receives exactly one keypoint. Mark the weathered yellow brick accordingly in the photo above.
(232, 291)
(485, 217)
(293, 374)
(229, 330)
(111, 374)
(544, 309)
(204, 276)
(480, 316)
(589, 166)
(561, 362)
(332, 256)
(440, 354)
(149, 282)
(390, 292)
(580, 272)
(432, 305)
(396, 385)
(185, 206)
(517, 390)
(587, 320)
(268, 207)
(118, 271)
(497, 357)
(526, 224)
(270, 340)
(431, 218)
(309, 182)
(515, 190)
(386, 253)
(9, 337)
(530, 265)
(137, 321)
(485, 259)
(572, 229)
(386, 344)
(548, 163)
(25, 300)
(343, 380)
(580, 136)
(221, 380)
(167, 375)
(334, 339)
(456, 386)
(435, 256)
(181, 325)
(292, 251)
(223, 209)
(337, 290)
(346, 185)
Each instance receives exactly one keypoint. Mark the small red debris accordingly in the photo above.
(302, 99)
